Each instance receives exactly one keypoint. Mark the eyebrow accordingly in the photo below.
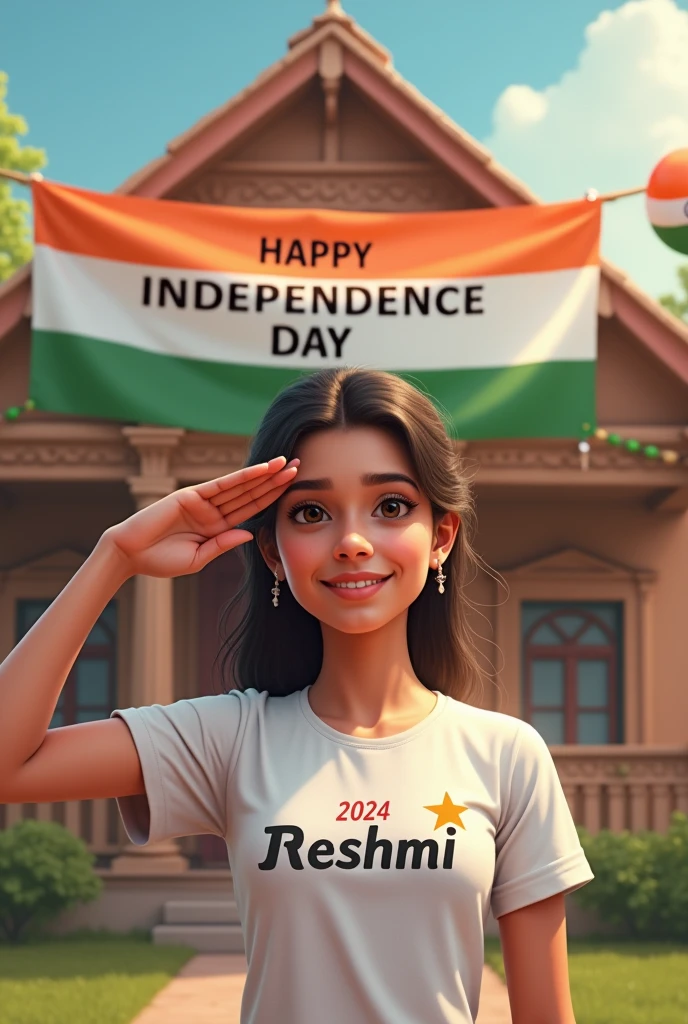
(368, 480)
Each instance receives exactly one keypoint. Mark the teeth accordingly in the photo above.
(357, 585)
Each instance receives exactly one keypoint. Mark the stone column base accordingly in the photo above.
(155, 859)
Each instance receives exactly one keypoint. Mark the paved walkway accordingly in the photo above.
(208, 991)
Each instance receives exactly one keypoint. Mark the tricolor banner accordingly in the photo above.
(195, 316)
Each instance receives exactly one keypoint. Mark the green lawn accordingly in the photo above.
(622, 982)
(94, 980)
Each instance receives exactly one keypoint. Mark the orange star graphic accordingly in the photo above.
(448, 813)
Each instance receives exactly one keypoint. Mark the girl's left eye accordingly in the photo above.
(395, 507)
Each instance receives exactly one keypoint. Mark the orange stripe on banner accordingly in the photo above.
(464, 243)
(669, 180)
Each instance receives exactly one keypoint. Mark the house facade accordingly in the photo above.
(582, 628)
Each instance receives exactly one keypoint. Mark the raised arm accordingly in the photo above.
(176, 536)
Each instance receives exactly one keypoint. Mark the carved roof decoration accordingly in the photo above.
(572, 562)
(369, 67)
(336, 15)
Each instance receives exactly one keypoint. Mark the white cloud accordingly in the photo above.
(604, 125)
(520, 105)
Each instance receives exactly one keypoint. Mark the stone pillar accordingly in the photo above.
(592, 807)
(616, 792)
(661, 806)
(152, 669)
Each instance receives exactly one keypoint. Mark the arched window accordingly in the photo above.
(89, 693)
(572, 671)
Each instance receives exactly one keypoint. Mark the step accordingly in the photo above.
(200, 912)
(206, 938)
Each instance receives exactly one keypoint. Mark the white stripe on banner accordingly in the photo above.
(668, 213)
(305, 323)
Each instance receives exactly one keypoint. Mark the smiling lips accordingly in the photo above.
(354, 585)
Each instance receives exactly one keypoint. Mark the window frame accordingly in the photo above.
(571, 654)
(43, 578)
(572, 575)
(89, 652)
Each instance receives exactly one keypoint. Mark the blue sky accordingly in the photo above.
(567, 95)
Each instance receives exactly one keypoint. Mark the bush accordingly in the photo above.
(641, 880)
(44, 869)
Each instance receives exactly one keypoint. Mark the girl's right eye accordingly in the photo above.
(309, 513)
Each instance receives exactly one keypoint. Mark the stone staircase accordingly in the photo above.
(210, 926)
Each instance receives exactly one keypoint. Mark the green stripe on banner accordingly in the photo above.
(676, 238)
(88, 377)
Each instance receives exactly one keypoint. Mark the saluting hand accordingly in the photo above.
(182, 532)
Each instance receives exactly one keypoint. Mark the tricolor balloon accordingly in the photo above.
(667, 200)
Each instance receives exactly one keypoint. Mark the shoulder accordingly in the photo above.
(232, 699)
(502, 737)
(481, 722)
(249, 704)
(208, 713)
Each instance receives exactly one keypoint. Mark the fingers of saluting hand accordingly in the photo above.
(215, 490)
(247, 500)
(249, 506)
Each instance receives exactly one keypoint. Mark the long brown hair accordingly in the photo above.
(281, 651)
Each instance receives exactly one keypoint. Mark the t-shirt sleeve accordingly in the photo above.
(538, 850)
(187, 751)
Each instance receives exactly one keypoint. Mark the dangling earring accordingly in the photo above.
(275, 591)
(440, 577)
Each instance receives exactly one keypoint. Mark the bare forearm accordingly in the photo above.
(33, 674)
(535, 959)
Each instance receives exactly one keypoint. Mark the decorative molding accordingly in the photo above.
(62, 455)
(343, 190)
(621, 764)
(204, 458)
(564, 457)
(323, 168)
(46, 450)
(623, 787)
(65, 461)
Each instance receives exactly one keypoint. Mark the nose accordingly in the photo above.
(352, 546)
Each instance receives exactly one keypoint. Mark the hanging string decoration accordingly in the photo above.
(667, 200)
(15, 411)
(649, 451)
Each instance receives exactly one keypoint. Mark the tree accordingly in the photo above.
(15, 236)
(677, 304)
(44, 869)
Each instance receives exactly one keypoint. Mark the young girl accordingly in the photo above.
(371, 814)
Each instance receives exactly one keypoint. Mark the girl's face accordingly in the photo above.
(355, 515)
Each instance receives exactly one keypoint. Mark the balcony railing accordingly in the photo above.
(94, 821)
(623, 787)
(615, 787)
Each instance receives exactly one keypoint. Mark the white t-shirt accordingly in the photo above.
(363, 868)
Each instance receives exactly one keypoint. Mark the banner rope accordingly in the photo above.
(19, 177)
